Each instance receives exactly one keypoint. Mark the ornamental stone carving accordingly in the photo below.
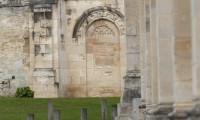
(95, 14)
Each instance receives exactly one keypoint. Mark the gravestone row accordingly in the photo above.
(55, 114)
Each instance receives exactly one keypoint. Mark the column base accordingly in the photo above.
(160, 112)
(194, 112)
(178, 115)
(149, 112)
(125, 111)
(142, 110)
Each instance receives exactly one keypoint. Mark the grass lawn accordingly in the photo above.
(17, 109)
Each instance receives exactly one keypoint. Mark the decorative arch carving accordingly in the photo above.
(98, 13)
(103, 31)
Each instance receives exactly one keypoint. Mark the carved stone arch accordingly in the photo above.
(106, 24)
(97, 13)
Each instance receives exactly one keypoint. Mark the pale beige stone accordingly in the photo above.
(46, 23)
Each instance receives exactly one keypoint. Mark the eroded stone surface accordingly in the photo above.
(14, 47)
(39, 49)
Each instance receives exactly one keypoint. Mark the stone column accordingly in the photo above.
(153, 61)
(154, 67)
(142, 49)
(182, 59)
(142, 26)
(148, 58)
(148, 53)
(164, 57)
(194, 113)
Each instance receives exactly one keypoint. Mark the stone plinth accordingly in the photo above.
(131, 90)
(44, 85)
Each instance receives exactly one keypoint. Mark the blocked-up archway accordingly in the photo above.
(100, 31)
(103, 59)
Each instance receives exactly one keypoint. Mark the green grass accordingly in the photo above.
(17, 109)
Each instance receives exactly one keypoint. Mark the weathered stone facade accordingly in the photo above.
(84, 48)
(14, 46)
(63, 48)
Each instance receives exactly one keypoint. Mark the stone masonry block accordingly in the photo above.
(43, 72)
(125, 110)
(44, 64)
(40, 32)
(44, 80)
(45, 23)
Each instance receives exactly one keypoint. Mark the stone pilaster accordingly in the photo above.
(42, 51)
(182, 59)
(153, 60)
(163, 24)
(194, 111)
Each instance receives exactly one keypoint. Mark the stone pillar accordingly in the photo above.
(194, 113)
(182, 59)
(131, 90)
(164, 38)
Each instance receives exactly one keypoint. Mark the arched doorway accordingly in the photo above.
(103, 59)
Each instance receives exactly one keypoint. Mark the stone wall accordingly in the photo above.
(42, 47)
(14, 46)
(27, 46)
(89, 75)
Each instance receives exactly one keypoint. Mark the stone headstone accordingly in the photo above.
(50, 110)
(56, 115)
(84, 114)
(104, 109)
(30, 117)
(114, 112)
